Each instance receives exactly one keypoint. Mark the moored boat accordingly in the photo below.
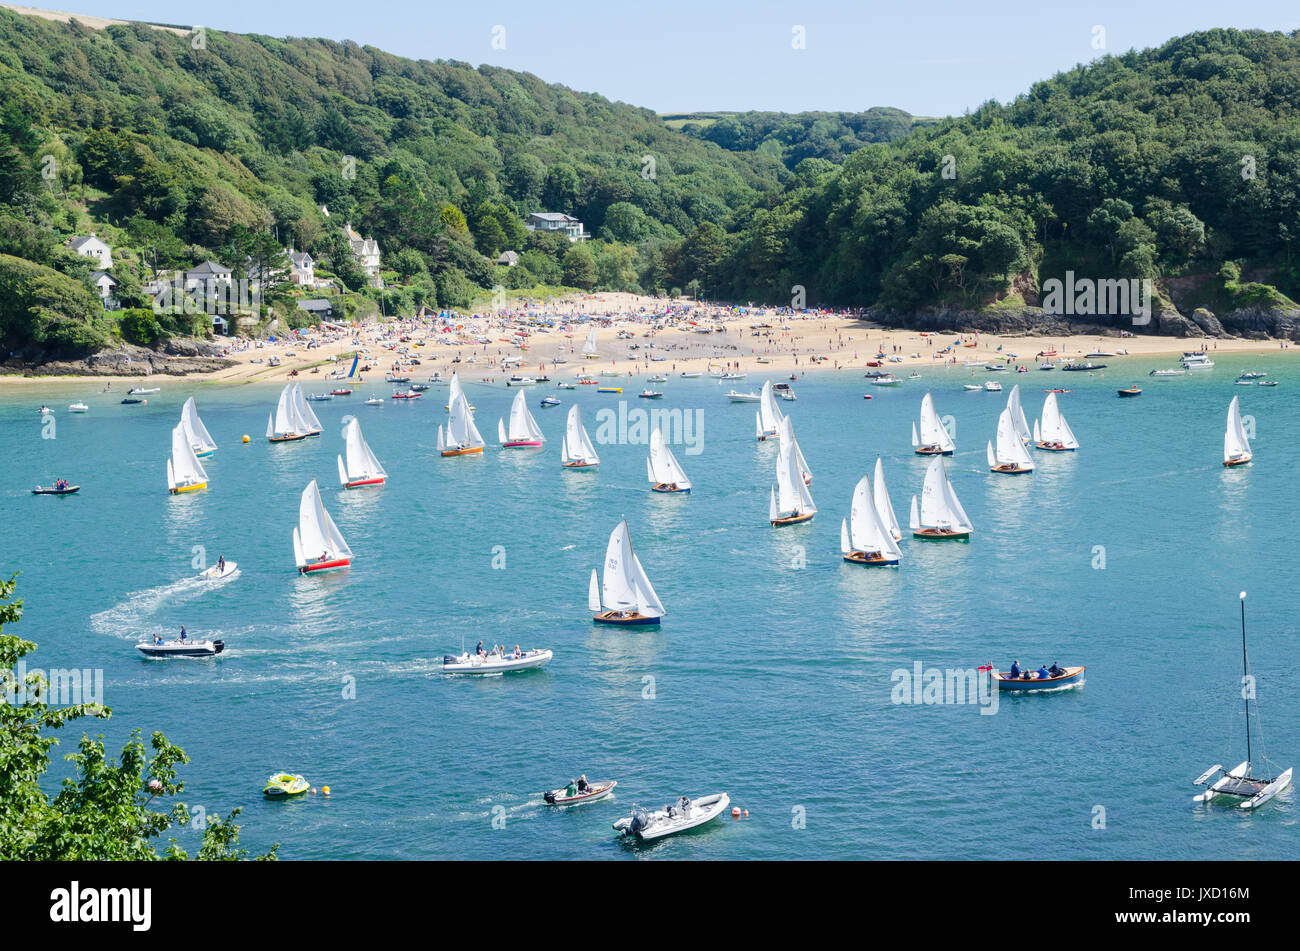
(1130, 391)
(284, 785)
(685, 814)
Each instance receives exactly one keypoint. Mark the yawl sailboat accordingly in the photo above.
(285, 425)
(940, 516)
(790, 503)
(1236, 448)
(768, 418)
(1241, 781)
(1010, 457)
(662, 467)
(934, 439)
(864, 538)
(1055, 434)
(361, 467)
(523, 432)
(625, 595)
(184, 471)
(198, 433)
(462, 437)
(317, 533)
(576, 450)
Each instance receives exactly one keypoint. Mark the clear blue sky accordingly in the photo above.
(937, 57)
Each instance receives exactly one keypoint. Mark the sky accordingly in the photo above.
(929, 57)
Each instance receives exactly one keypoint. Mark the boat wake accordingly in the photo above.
(125, 619)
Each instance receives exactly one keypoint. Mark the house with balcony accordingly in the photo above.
(567, 225)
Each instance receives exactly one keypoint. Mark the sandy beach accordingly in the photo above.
(692, 338)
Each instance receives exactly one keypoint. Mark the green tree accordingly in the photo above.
(579, 268)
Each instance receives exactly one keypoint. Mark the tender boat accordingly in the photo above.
(54, 490)
(593, 792)
(993, 386)
(523, 431)
(934, 439)
(78, 408)
(940, 516)
(521, 381)
(375, 401)
(576, 450)
(199, 438)
(1073, 676)
(790, 502)
(407, 395)
(737, 397)
(550, 401)
(138, 390)
(864, 538)
(494, 663)
(284, 785)
(361, 467)
(1083, 366)
(129, 401)
(1236, 447)
(684, 814)
(319, 397)
(1054, 435)
(662, 468)
(178, 648)
(624, 596)
(220, 572)
(1010, 457)
(184, 471)
(648, 394)
(1240, 782)
(972, 388)
(316, 532)
(341, 392)
(567, 386)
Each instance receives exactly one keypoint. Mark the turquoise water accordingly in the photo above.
(772, 671)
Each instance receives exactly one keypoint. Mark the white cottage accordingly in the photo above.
(93, 247)
(365, 250)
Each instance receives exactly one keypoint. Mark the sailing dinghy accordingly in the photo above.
(885, 508)
(198, 433)
(625, 595)
(462, 437)
(940, 516)
(284, 425)
(1055, 434)
(1010, 457)
(523, 432)
(768, 418)
(316, 532)
(934, 439)
(864, 538)
(1240, 782)
(306, 417)
(361, 467)
(589, 346)
(788, 441)
(1236, 447)
(1018, 415)
(576, 450)
(663, 469)
(184, 471)
(790, 503)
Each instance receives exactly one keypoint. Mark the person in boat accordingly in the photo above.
(1055, 670)
(1042, 673)
(182, 633)
(157, 639)
(221, 564)
(479, 650)
(1015, 670)
(517, 653)
(583, 785)
(571, 790)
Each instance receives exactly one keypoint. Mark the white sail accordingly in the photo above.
(845, 545)
(461, 431)
(442, 442)
(270, 425)
(454, 389)
(317, 538)
(593, 593)
(186, 469)
(564, 448)
(307, 419)
(361, 462)
(769, 414)
(577, 443)
(884, 507)
(1054, 427)
(933, 432)
(792, 495)
(916, 443)
(625, 586)
(286, 420)
(502, 436)
(1235, 444)
(199, 437)
(522, 428)
(772, 513)
(1010, 450)
(786, 428)
(1018, 414)
(914, 522)
(939, 505)
(1038, 435)
(171, 475)
(664, 467)
(866, 531)
(589, 345)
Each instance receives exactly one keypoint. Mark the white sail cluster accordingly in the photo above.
(1010, 449)
(522, 428)
(790, 498)
(1054, 429)
(292, 416)
(864, 530)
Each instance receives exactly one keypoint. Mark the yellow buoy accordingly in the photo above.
(244, 439)
(325, 790)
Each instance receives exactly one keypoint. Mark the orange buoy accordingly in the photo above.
(746, 813)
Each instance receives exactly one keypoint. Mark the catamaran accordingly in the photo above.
(589, 346)
(1010, 457)
(1055, 434)
(523, 433)
(198, 433)
(880, 493)
(316, 532)
(361, 467)
(864, 538)
(934, 439)
(184, 471)
(768, 418)
(790, 503)
(662, 467)
(304, 412)
(940, 516)
(1241, 781)
(284, 425)
(625, 595)
(576, 450)
(1236, 447)
(1018, 414)
(462, 437)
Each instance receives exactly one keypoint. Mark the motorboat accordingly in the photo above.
(1083, 366)
(1130, 391)
(649, 394)
(1197, 360)
(138, 390)
(1029, 680)
(284, 785)
(180, 648)
(682, 815)
(56, 490)
(496, 662)
(131, 400)
(1178, 372)
(221, 571)
(521, 381)
(550, 401)
(319, 397)
(78, 408)
(972, 387)
(993, 386)
(887, 380)
(375, 401)
(593, 792)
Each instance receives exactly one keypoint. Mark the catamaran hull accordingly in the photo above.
(324, 566)
(628, 621)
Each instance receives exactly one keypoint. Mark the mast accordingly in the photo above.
(1244, 682)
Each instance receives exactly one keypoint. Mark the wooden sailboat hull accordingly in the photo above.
(870, 560)
(664, 488)
(628, 620)
(362, 482)
(187, 488)
(324, 566)
(462, 452)
(291, 437)
(1052, 447)
(935, 535)
(933, 451)
(792, 520)
(1230, 463)
(1010, 470)
(523, 444)
(1072, 676)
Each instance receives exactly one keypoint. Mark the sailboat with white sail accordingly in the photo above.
(1236, 447)
(454, 390)
(934, 439)
(198, 433)
(1240, 782)
(1018, 415)
(576, 450)
(589, 346)
(184, 471)
(768, 417)
(317, 543)
(885, 507)
(864, 538)
(787, 440)
(361, 468)
(306, 417)
(1054, 435)
(523, 431)
(624, 595)
(284, 425)
(462, 436)
(663, 469)
(790, 502)
(940, 516)
(1010, 457)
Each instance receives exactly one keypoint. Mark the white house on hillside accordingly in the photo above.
(93, 247)
(302, 269)
(104, 284)
(207, 273)
(556, 221)
(365, 250)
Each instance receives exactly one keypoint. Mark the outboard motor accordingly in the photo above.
(549, 797)
(218, 646)
(448, 659)
(639, 820)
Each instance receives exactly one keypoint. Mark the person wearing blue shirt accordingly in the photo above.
(1015, 670)
(1042, 673)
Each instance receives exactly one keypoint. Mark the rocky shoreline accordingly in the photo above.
(180, 357)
